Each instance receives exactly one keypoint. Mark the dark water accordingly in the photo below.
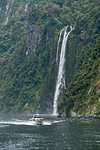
(18, 133)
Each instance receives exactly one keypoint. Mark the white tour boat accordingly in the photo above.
(37, 120)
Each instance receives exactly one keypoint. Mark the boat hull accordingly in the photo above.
(37, 121)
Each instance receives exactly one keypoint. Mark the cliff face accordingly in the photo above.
(29, 32)
(34, 38)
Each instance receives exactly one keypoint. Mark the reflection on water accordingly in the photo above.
(18, 133)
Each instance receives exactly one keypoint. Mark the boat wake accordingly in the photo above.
(56, 121)
(28, 123)
(17, 122)
(4, 125)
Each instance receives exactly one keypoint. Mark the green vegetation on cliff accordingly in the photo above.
(29, 31)
(83, 94)
(82, 97)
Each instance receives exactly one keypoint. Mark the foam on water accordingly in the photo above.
(24, 122)
(29, 123)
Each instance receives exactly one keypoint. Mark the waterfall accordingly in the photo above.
(6, 21)
(60, 83)
(26, 7)
(58, 45)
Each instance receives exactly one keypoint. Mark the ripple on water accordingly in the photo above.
(4, 126)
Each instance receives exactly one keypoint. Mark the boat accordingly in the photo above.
(37, 120)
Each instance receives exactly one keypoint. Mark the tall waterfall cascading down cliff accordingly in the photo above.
(60, 83)
(59, 40)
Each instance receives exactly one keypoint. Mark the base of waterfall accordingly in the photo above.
(55, 114)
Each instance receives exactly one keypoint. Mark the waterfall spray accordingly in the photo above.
(60, 83)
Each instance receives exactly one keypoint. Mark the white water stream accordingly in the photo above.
(60, 83)
(59, 40)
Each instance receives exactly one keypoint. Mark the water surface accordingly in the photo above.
(18, 133)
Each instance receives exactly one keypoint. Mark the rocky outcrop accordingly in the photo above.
(34, 37)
